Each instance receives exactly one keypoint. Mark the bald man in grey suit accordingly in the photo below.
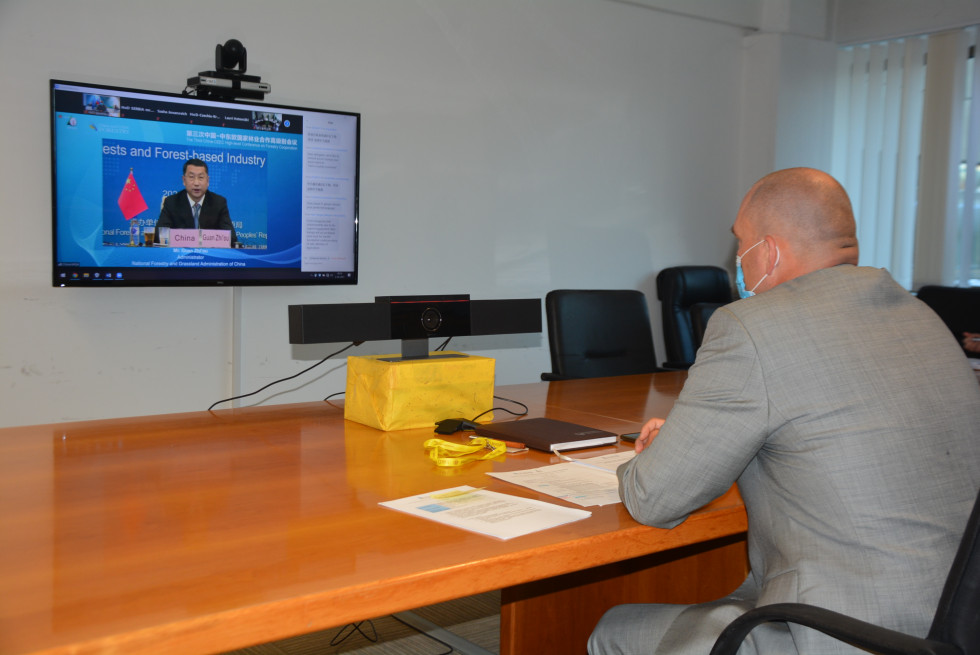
(847, 414)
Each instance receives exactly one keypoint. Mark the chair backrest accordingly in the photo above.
(957, 619)
(958, 307)
(688, 295)
(598, 333)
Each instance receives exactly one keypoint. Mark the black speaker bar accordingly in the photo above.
(338, 323)
(412, 317)
(514, 316)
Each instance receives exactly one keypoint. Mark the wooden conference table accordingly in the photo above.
(204, 532)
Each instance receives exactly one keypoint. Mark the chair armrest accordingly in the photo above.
(676, 366)
(550, 377)
(844, 628)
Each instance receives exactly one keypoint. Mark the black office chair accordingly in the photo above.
(598, 333)
(955, 627)
(688, 296)
(958, 307)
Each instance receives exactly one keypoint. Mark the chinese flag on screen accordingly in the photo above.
(131, 200)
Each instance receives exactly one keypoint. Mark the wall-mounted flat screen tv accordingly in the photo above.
(276, 189)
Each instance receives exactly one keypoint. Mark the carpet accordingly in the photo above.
(475, 618)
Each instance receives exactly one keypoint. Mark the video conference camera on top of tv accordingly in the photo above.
(228, 80)
(413, 319)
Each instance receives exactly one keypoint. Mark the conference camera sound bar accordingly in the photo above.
(413, 319)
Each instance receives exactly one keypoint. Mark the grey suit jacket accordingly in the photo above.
(850, 419)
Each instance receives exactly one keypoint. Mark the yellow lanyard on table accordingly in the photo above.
(448, 453)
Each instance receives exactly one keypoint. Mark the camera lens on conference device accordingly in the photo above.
(431, 319)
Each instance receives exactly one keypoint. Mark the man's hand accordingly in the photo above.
(971, 341)
(649, 431)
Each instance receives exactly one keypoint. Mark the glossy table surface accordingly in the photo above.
(207, 531)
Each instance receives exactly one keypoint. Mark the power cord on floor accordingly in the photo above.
(350, 629)
(427, 635)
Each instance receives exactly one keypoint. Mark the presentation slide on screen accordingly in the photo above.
(288, 177)
(238, 175)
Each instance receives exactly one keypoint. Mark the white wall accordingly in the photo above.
(788, 81)
(508, 148)
(864, 21)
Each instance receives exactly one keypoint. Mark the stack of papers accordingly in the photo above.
(487, 512)
(582, 481)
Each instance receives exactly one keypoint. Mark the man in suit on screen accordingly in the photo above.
(196, 207)
(846, 412)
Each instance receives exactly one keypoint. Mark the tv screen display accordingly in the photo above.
(276, 189)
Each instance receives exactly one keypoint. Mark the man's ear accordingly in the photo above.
(774, 253)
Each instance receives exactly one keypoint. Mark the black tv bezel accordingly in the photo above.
(200, 277)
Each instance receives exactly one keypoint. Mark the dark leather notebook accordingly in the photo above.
(547, 434)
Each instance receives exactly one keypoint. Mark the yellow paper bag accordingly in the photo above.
(416, 393)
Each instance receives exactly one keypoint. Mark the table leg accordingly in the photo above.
(557, 615)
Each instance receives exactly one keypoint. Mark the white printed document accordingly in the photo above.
(583, 481)
(487, 512)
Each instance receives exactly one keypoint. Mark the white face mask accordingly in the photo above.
(740, 277)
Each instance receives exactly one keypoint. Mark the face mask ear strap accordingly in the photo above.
(775, 263)
(738, 257)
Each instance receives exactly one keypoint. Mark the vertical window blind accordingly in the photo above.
(907, 149)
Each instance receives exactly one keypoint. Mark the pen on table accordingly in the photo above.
(582, 462)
